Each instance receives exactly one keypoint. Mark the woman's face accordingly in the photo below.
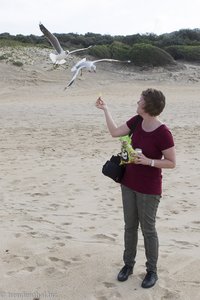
(141, 105)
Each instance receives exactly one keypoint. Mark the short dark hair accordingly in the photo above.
(154, 101)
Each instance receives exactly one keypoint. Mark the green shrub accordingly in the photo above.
(11, 43)
(120, 51)
(17, 63)
(189, 53)
(2, 57)
(148, 55)
(101, 51)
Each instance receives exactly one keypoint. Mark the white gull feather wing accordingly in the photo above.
(79, 64)
(51, 38)
(111, 60)
(74, 76)
(77, 50)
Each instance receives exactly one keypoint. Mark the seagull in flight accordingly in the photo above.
(90, 66)
(59, 57)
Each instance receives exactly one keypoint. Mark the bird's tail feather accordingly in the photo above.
(73, 69)
(54, 59)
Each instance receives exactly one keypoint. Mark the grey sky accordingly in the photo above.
(114, 17)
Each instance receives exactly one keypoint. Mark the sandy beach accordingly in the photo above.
(61, 219)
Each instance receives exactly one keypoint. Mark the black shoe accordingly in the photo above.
(124, 273)
(149, 280)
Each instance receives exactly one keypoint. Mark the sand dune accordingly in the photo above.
(61, 219)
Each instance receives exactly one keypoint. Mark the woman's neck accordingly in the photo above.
(150, 123)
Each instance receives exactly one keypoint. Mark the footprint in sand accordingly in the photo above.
(17, 235)
(109, 284)
(170, 295)
(76, 259)
(40, 262)
(66, 223)
(28, 269)
(50, 270)
(54, 206)
(196, 222)
(27, 227)
(103, 237)
(60, 244)
(107, 295)
(15, 258)
(61, 262)
(186, 244)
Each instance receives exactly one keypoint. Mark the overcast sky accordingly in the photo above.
(114, 17)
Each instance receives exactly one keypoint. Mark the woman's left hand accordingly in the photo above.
(141, 159)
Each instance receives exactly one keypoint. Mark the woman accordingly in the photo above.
(142, 182)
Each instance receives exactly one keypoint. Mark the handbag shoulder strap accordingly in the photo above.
(135, 123)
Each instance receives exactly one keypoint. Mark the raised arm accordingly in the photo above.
(112, 127)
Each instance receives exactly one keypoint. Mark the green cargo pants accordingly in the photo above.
(140, 209)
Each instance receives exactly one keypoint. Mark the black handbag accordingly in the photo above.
(112, 167)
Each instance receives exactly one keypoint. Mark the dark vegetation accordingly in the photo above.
(142, 50)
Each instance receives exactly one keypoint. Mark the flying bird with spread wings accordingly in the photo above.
(60, 55)
(90, 66)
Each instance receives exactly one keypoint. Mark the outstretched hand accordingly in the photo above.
(101, 104)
